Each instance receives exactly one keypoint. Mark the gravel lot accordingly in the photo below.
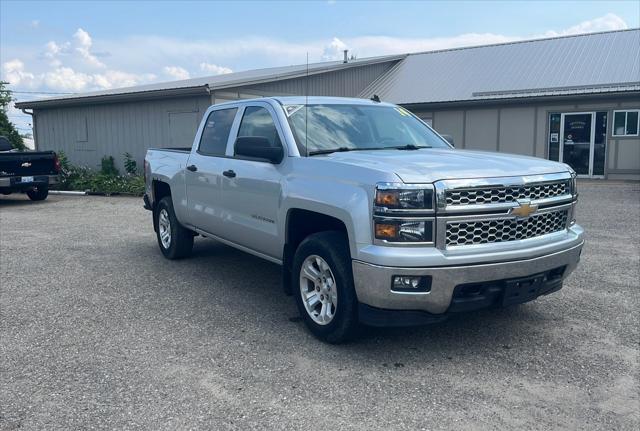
(98, 330)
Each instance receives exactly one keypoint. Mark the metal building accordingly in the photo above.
(575, 99)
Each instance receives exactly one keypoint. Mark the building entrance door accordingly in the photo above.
(583, 142)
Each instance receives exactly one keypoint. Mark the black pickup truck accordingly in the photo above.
(30, 172)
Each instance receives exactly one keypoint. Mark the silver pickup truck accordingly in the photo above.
(374, 217)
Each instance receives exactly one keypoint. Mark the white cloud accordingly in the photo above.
(177, 72)
(606, 22)
(214, 69)
(53, 50)
(14, 73)
(116, 79)
(84, 42)
(67, 79)
(35, 23)
(334, 50)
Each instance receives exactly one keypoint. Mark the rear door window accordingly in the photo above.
(215, 134)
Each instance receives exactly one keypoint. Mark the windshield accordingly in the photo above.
(327, 128)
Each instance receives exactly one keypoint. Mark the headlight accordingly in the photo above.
(404, 199)
(574, 183)
(406, 230)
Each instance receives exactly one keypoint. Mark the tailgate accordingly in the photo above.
(27, 163)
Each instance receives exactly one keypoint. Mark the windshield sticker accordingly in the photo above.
(292, 109)
(403, 111)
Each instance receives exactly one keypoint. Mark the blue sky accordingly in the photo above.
(81, 46)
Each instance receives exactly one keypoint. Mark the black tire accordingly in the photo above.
(40, 193)
(180, 242)
(333, 248)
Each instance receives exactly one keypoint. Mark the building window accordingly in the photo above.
(625, 123)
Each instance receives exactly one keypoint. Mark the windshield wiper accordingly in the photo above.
(410, 147)
(344, 149)
(332, 150)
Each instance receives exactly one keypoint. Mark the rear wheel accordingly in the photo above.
(175, 240)
(40, 193)
(322, 282)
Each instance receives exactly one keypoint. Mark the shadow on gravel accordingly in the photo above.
(254, 283)
(16, 200)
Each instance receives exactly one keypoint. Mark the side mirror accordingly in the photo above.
(5, 145)
(258, 147)
(449, 139)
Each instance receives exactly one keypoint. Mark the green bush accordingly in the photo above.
(107, 180)
(130, 165)
(108, 167)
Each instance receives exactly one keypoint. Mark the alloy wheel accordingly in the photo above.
(318, 290)
(164, 227)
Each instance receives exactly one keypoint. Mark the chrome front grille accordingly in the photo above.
(506, 194)
(470, 232)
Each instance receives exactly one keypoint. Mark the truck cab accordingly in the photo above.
(374, 217)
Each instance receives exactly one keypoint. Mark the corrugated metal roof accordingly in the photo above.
(580, 64)
(229, 80)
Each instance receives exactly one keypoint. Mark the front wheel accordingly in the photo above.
(175, 240)
(40, 193)
(322, 282)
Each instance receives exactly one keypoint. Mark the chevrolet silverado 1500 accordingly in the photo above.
(374, 217)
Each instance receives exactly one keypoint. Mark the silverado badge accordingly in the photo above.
(524, 209)
(26, 165)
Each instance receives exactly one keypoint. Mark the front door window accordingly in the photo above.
(576, 141)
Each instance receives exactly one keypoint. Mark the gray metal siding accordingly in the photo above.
(524, 129)
(113, 129)
(450, 123)
(345, 83)
(481, 129)
(517, 130)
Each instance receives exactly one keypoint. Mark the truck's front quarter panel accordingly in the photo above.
(332, 189)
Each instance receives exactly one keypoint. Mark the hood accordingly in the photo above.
(429, 165)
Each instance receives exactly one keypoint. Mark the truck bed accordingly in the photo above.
(174, 149)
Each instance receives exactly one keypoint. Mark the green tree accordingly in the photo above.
(7, 128)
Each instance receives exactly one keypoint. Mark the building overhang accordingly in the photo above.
(201, 90)
(518, 100)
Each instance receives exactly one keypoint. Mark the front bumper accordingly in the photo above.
(373, 282)
(15, 182)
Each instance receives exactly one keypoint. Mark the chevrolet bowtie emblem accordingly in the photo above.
(26, 165)
(524, 209)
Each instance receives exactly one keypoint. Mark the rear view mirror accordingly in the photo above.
(258, 147)
(449, 139)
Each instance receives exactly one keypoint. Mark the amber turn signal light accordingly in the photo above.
(387, 198)
(386, 231)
